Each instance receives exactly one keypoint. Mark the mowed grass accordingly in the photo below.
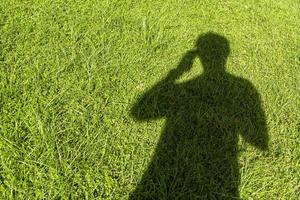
(70, 72)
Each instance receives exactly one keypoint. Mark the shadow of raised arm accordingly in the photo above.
(185, 65)
(155, 102)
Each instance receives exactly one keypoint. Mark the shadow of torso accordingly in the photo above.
(196, 156)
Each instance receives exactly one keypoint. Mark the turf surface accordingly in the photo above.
(72, 73)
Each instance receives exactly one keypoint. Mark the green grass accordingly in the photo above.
(72, 71)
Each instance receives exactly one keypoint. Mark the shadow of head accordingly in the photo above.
(213, 50)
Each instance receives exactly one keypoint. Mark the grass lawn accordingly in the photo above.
(84, 112)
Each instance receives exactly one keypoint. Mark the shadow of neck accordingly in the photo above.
(215, 70)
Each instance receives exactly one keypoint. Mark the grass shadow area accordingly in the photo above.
(197, 153)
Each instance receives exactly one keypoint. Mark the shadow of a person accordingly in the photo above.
(197, 154)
